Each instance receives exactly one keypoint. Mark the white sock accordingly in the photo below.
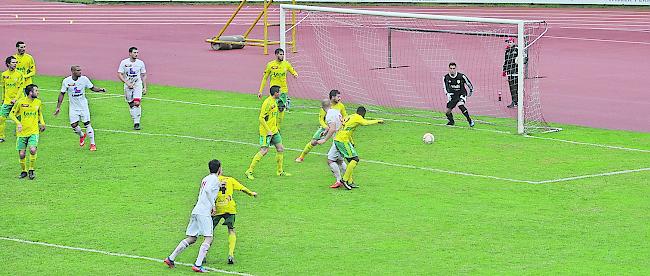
(137, 114)
(202, 252)
(132, 111)
(91, 134)
(335, 170)
(78, 131)
(181, 246)
(344, 167)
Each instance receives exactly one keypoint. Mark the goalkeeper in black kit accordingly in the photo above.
(455, 83)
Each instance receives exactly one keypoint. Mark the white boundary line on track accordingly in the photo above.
(115, 254)
(377, 162)
(403, 121)
(599, 40)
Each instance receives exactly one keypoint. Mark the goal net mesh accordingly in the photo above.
(396, 65)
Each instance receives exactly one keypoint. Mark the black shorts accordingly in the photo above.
(455, 99)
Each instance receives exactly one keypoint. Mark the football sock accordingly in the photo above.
(336, 170)
(258, 156)
(465, 112)
(132, 111)
(2, 127)
(78, 131)
(91, 134)
(348, 173)
(307, 149)
(343, 166)
(181, 246)
(202, 252)
(137, 113)
(23, 164)
(280, 158)
(32, 162)
(450, 117)
(232, 239)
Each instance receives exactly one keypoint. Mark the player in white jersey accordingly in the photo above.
(334, 120)
(75, 85)
(201, 218)
(133, 74)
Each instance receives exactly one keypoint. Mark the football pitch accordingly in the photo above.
(477, 201)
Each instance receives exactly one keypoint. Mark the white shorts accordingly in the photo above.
(79, 115)
(134, 93)
(333, 154)
(199, 225)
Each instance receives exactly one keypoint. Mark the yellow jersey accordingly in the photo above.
(322, 113)
(225, 203)
(30, 112)
(277, 72)
(26, 66)
(269, 116)
(349, 125)
(12, 84)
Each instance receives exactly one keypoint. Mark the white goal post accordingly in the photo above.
(523, 40)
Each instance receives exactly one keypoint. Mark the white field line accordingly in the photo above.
(591, 176)
(115, 254)
(600, 40)
(380, 162)
(300, 150)
(403, 121)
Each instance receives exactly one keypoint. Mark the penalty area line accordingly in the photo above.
(114, 254)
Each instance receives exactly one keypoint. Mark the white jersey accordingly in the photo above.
(76, 90)
(334, 116)
(207, 195)
(132, 70)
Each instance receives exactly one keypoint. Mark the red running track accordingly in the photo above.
(595, 60)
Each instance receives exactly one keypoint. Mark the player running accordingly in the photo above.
(75, 85)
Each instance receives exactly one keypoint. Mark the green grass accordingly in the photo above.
(134, 195)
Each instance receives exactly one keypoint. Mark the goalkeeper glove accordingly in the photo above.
(503, 74)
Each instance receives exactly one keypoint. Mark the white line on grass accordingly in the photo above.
(300, 150)
(591, 176)
(406, 121)
(93, 98)
(114, 254)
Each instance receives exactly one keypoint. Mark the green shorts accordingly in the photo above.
(23, 142)
(228, 220)
(320, 133)
(346, 149)
(270, 140)
(5, 110)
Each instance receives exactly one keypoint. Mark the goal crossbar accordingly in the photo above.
(519, 23)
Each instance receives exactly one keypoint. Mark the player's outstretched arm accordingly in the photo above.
(98, 89)
(58, 103)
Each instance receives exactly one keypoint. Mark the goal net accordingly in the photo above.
(395, 62)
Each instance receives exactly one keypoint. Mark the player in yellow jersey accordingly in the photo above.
(269, 133)
(276, 73)
(12, 82)
(30, 111)
(226, 209)
(26, 64)
(335, 103)
(345, 145)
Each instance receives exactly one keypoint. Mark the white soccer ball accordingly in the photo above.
(428, 138)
